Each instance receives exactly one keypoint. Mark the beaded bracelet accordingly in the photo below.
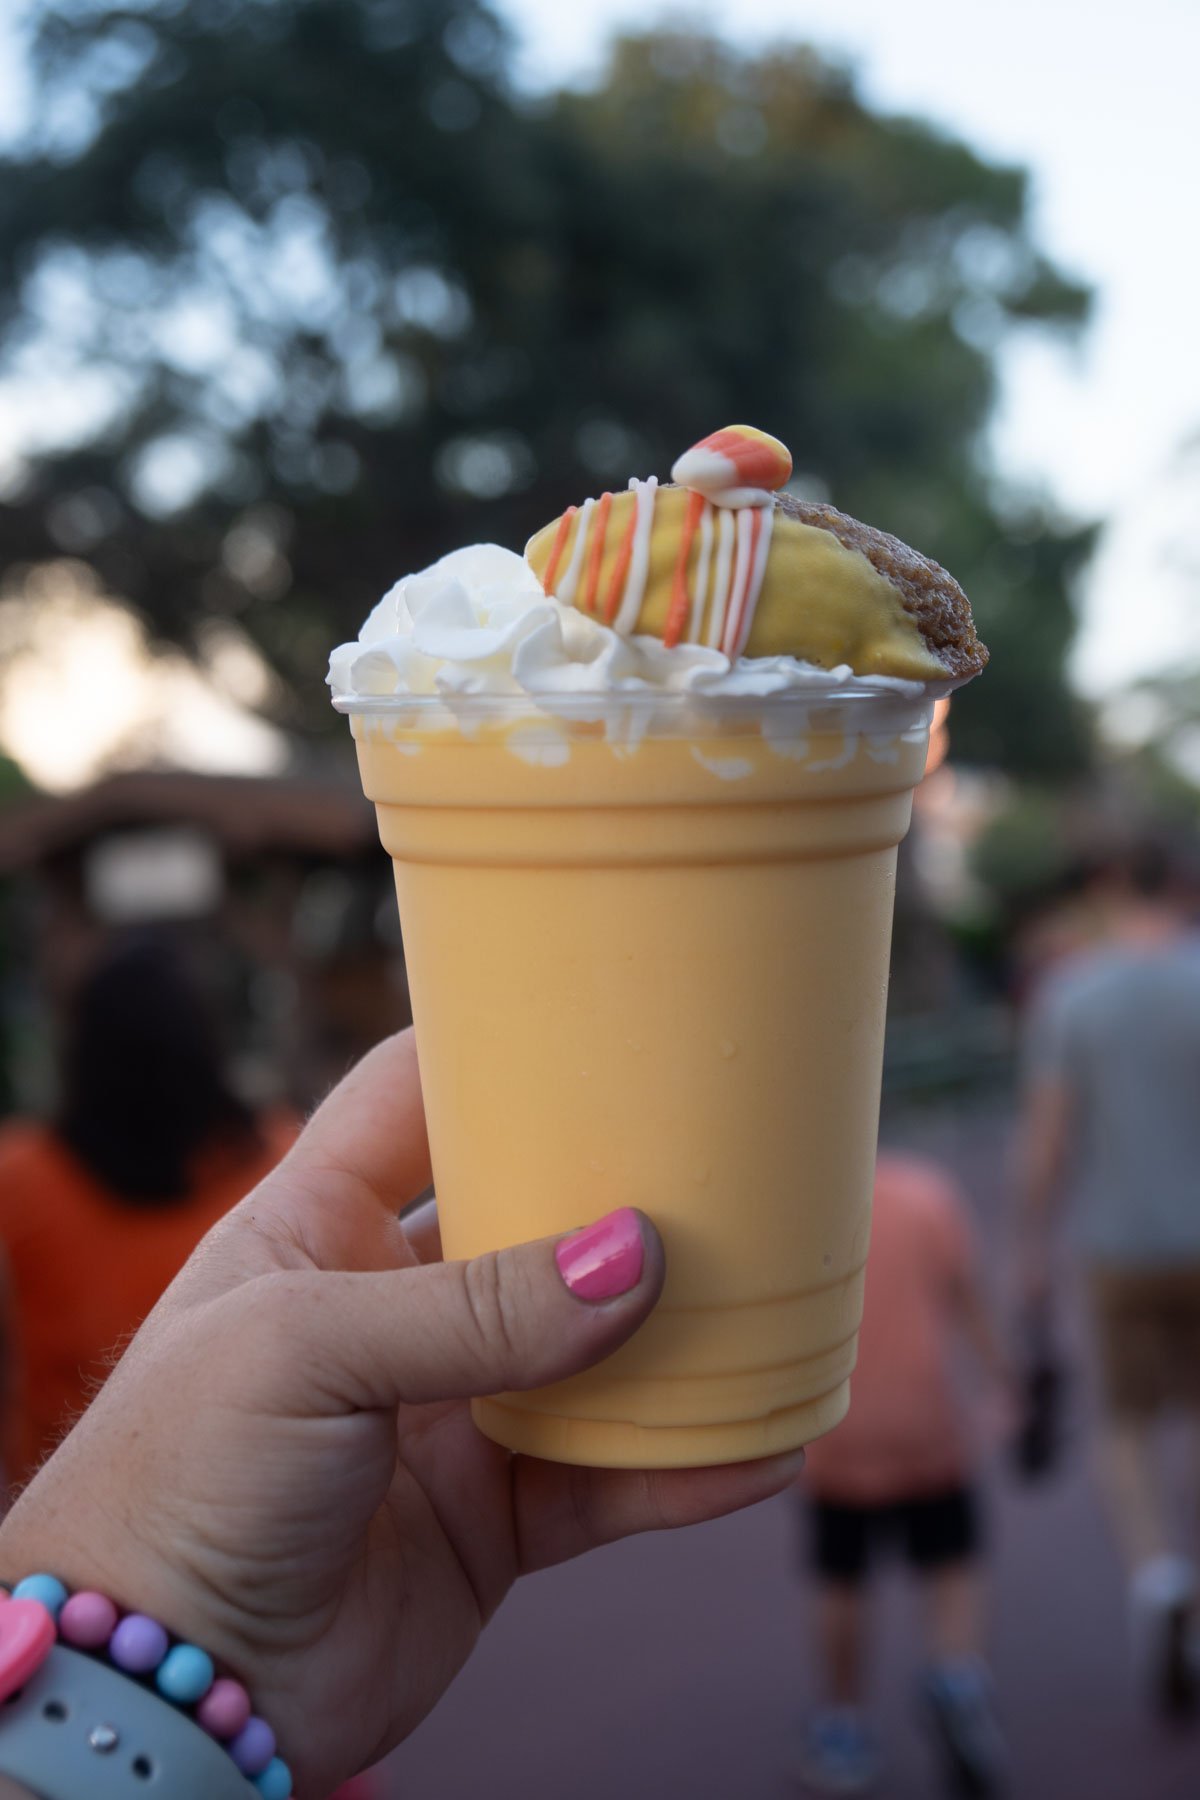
(142, 1648)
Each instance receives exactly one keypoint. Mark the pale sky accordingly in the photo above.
(1098, 100)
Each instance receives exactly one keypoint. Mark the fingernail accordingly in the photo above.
(606, 1259)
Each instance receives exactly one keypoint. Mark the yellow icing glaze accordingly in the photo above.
(820, 602)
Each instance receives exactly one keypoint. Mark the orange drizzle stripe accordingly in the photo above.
(596, 553)
(681, 606)
(612, 602)
(557, 548)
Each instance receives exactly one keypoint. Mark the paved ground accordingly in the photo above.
(678, 1665)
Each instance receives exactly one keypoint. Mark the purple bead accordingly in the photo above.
(87, 1620)
(253, 1747)
(225, 1709)
(138, 1644)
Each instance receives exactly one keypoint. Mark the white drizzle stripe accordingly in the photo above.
(740, 578)
(565, 588)
(706, 543)
(756, 580)
(645, 493)
(720, 599)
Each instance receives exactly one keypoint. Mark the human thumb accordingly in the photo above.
(511, 1319)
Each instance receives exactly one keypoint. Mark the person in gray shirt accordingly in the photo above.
(1112, 1111)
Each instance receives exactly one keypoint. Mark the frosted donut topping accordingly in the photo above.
(718, 584)
(479, 622)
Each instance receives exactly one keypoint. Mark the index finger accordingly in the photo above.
(361, 1158)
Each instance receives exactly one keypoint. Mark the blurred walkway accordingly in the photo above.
(678, 1665)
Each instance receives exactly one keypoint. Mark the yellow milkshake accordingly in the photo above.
(646, 898)
(656, 977)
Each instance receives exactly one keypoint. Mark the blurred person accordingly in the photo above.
(900, 1472)
(1112, 1110)
(100, 1207)
(1064, 919)
(7, 1373)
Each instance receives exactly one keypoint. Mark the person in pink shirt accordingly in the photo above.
(899, 1473)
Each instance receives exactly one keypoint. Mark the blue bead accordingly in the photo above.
(46, 1588)
(185, 1674)
(275, 1782)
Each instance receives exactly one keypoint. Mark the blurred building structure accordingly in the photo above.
(276, 887)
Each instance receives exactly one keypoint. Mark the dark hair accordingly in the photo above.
(1141, 864)
(144, 1092)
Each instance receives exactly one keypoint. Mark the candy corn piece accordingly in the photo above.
(734, 466)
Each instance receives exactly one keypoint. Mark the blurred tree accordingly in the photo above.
(336, 300)
(14, 785)
(1026, 851)
(1158, 722)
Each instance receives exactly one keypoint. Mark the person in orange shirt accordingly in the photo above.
(101, 1208)
(899, 1471)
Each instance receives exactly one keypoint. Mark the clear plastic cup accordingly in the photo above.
(647, 944)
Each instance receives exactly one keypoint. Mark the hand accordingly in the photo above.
(283, 1468)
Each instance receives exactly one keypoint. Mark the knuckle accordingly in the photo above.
(276, 1298)
(494, 1313)
(256, 1323)
(272, 1343)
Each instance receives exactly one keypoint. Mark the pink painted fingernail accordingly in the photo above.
(606, 1259)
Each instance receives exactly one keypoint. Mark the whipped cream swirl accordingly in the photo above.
(478, 623)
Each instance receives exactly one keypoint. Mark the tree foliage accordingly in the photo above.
(350, 301)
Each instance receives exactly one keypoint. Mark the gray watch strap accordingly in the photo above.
(81, 1730)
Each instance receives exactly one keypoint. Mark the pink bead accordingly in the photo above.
(87, 1620)
(224, 1710)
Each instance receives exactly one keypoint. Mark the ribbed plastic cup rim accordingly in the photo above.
(590, 707)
